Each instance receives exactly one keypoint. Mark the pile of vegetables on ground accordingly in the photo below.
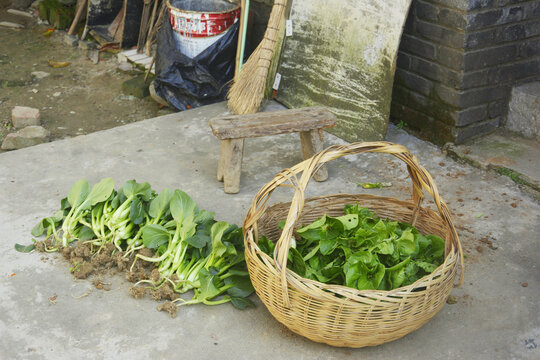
(163, 240)
(361, 251)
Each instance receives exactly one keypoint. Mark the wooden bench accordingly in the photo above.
(233, 129)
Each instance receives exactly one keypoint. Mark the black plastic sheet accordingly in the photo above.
(187, 83)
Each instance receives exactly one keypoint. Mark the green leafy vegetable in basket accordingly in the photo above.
(361, 251)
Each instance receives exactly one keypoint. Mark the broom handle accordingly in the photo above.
(244, 15)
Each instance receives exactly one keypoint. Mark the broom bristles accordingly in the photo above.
(247, 92)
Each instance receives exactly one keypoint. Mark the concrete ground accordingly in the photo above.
(45, 314)
(506, 153)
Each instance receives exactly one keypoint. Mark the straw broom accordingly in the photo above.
(246, 93)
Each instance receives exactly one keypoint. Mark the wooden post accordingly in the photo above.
(230, 163)
(312, 143)
(80, 9)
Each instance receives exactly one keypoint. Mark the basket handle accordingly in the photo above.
(421, 180)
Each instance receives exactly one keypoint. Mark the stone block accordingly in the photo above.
(22, 116)
(462, 134)
(29, 136)
(137, 87)
(416, 46)
(441, 34)
(87, 45)
(20, 4)
(71, 40)
(524, 110)
(484, 58)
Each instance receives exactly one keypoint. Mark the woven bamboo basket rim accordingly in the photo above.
(277, 265)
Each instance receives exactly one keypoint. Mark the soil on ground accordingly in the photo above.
(78, 99)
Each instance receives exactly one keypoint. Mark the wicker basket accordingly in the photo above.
(339, 315)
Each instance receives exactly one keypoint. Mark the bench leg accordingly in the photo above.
(312, 143)
(230, 164)
(220, 167)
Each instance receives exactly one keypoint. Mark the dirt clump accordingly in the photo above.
(165, 292)
(169, 307)
(138, 292)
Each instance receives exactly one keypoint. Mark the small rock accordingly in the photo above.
(136, 87)
(35, 91)
(125, 66)
(22, 116)
(11, 25)
(87, 45)
(93, 55)
(71, 40)
(479, 249)
(57, 94)
(451, 300)
(525, 284)
(19, 13)
(29, 136)
(38, 75)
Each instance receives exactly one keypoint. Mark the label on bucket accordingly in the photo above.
(192, 24)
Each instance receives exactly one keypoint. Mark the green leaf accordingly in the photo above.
(427, 267)
(132, 188)
(405, 243)
(266, 245)
(25, 249)
(78, 193)
(182, 206)
(242, 303)
(64, 204)
(101, 191)
(200, 239)
(136, 211)
(39, 229)
(327, 246)
(385, 248)
(242, 286)
(86, 233)
(208, 288)
(160, 204)
(205, 218)
(216, 233)
(155, 235)
(349, 221)
(296, 262)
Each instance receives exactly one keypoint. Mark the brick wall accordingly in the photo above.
(458, 61)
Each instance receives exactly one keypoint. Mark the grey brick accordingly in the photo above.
(532, 28)
(473, 97)
(479, 4)
(515, 32)
(418, 47)
(475, 130)
(483, 58)
(530, 48)
(457, 4)
(413, 82)
(437, 72)
(442, 133)
(450, 57)
(470, 115)
(448, 95)
(497, 108)
(484, 38)
(480, 78)
(441, 34)
(427, 11)
(480, 20)
(403, 60)
(452, 18)
(517, 71)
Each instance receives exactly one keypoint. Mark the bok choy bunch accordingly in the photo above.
(191, 250)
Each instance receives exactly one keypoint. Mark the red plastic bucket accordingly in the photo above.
(197, 24)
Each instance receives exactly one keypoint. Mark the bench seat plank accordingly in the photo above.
(272, 123)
